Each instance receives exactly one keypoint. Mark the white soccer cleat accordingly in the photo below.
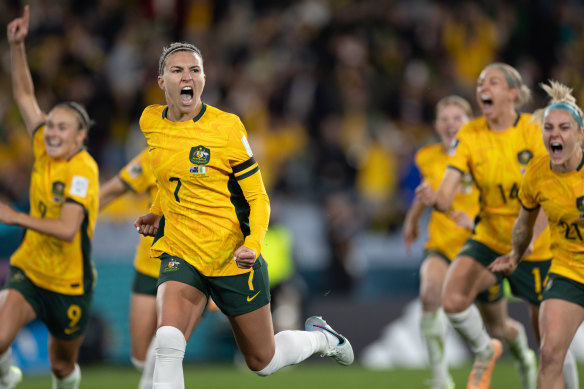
(342, 352)
(14, 377)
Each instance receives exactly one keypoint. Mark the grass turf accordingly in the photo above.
(310, 374)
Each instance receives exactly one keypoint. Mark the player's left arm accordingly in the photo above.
(110, 191)
(64, 228)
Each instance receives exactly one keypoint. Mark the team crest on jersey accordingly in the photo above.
(580, 205)
(200, 155)
(453, 146)
(58, 191)
(171, 266)
(524, 157)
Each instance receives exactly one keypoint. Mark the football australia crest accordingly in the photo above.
(200, 155)
(524, 156)
(580, 204)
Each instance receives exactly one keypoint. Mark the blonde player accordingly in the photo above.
(495, 149)
(555, 182)
(209, 217)
(447, 232)
(51, 274)
(137, 177)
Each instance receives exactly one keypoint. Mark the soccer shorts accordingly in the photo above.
(143, 284)
(563, 288)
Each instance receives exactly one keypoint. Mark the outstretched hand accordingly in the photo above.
(17, 30)
(505, 264)
(426, 194)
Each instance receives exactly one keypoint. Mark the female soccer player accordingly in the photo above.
(447, 233)
(495, 149)
(554, 182)
(51, 274)
(209, 217)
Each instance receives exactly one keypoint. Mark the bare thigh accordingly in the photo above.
(180, 305)
(558, 322)
(142, 323)
(15, 313)
(432, 275)
(254, 334)
(465, 279)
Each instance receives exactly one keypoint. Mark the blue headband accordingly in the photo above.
(565, 107)
(508, 77)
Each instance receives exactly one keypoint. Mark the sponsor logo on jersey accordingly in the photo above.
(58, 192)
(524, 156)
(200, 155)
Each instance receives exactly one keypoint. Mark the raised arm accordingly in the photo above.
(22, 85)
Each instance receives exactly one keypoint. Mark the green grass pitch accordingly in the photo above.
(311, 374)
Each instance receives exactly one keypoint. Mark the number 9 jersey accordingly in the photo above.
(210, 190)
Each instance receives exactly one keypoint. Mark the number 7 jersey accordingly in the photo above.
(210, 190)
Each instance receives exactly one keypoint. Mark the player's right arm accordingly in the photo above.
(410, 227)
(520, 241)
(443, 198)
(110, 191)
(22, 85)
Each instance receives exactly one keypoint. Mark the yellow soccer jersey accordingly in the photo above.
(443, 233)
(562, 197)
(51, 263)
(138, 177)
(497, 162)
(210, 190)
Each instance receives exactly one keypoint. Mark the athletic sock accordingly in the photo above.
(433, 328)
(148, 367)
(170, 351)
(5, 362)
(470, 326)
(570, 371)
(72, 381)
(293, 347)
(518, 347)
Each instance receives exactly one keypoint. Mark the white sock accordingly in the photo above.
(5, 362)
(139, 365)
(148, 367)
(470, 326)
(293, 347)
(518, 347)
(570, 371)
(170, 351)
(433, 328)
(72, 381)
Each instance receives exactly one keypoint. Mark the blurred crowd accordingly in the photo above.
(336, 95)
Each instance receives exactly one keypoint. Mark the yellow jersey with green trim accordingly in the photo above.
(51, 263)
(497, 162)
(444, 235)
(138, 177)
(561, 195)
(210, 191)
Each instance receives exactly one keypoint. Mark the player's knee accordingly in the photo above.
(431, 297)
(61, 368)
(170, 342)
(455, 303)
(551, 356)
